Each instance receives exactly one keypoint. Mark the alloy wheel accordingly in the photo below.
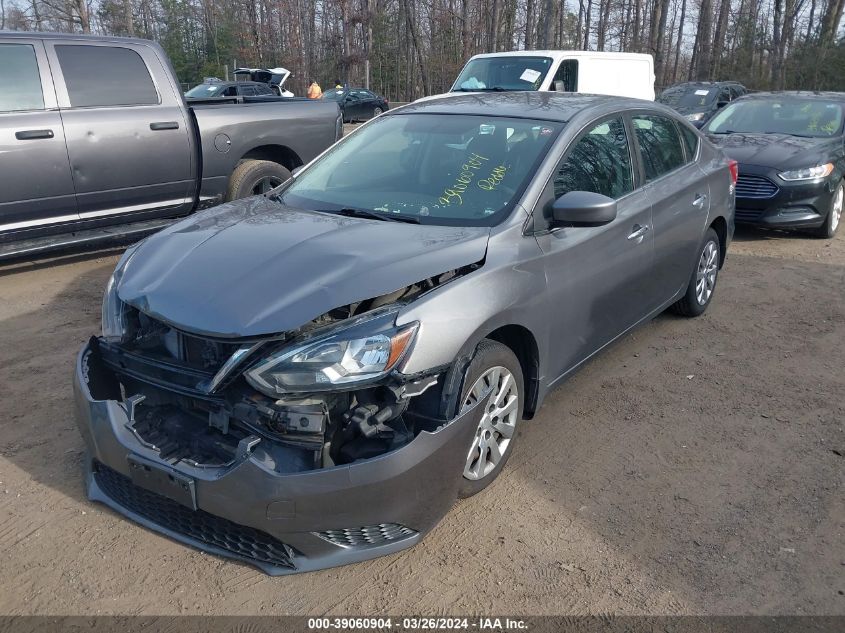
(836, 208)
(705, 276)
(266, 184)
(498, 424)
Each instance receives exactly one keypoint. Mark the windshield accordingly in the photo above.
(798, 117)
(206, 90)
(504, 73)
(335, 94)
(688, 96)
(429, 168)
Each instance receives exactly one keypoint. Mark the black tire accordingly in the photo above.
(689, 305)
(251, 175)
(490, 354)
(831, 223)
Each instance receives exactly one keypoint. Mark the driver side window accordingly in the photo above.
(599, 162)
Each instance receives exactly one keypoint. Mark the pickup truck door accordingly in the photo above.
(36, 187)
(128, 139)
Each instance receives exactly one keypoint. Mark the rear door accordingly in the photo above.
(679, 194)
(36, 187)
(127, 138)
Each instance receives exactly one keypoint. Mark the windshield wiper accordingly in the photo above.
(372, 215)
(493, 89)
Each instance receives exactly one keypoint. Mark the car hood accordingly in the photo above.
(255, 267)
(779, 151)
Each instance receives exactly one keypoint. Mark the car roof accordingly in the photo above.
(560, 54)
(549, 106)
(798, 94)
(34, 35)
(712, 84)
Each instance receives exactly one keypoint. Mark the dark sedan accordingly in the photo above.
(700, 100)
(230, 89)
(357, 104)
(790, 148)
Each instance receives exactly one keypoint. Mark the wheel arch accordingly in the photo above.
(280, 154)
(720, 225)
(522, 343)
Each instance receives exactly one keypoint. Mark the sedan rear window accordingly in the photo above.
(794, 116)
(434, 169)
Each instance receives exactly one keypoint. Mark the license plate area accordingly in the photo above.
(168, 483)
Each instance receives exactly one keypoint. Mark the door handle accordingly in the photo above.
(698, 203)
(164, 125)
(638, 234)
(28, 135)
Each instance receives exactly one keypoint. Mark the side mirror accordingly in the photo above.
(584, 208)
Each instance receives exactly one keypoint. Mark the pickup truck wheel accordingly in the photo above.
(702, 284)
(255, 177)
(494, 367)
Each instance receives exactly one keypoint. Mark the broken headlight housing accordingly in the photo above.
(361, 352)
(114, 310)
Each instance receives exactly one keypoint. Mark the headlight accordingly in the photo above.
(808, 173)
(114, 310)
(360, 352)
(696, 116)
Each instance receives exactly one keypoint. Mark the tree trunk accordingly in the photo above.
(529, 25)
(412, 30)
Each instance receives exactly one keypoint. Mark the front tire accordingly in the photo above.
(834, 215)
(495, 367)
(702, 284)
(255, 177)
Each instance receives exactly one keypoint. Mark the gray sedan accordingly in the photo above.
(311, 377)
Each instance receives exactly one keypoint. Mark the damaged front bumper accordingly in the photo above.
(281, 522)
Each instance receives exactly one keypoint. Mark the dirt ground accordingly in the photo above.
(696, 467)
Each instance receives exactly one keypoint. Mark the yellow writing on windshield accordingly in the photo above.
(468, 169)
(496, 176)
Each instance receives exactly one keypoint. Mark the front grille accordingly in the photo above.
(750, 215)
(759, 187)
(198, 525)
(367, 536)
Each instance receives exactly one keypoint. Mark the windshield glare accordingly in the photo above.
(798, 117)
(506, 73)
(438, 169)
(688, 97)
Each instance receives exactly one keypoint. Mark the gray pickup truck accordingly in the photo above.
(98, 143)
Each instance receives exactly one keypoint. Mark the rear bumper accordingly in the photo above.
(280, 522)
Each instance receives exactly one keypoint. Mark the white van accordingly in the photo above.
(622, 74)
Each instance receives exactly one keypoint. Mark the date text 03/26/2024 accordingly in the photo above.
(417, 624)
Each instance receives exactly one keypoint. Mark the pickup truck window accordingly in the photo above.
(105, 76)
(20, 79)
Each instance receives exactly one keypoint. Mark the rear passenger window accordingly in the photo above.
(105, 76)
(660, 145)
(600, 162)
(20, 79)
(690, 141)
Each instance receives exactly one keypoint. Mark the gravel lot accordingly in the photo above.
(694, 467)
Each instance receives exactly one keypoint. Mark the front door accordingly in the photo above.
(36, 187)
(598, 277)
(127, 137)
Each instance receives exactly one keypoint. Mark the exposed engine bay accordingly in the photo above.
(187, 398)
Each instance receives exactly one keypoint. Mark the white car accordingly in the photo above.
(619, 74)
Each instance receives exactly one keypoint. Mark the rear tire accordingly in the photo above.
(494, 365)
(702, 284)
(255, 177)
(376, 111)
(834, 215)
